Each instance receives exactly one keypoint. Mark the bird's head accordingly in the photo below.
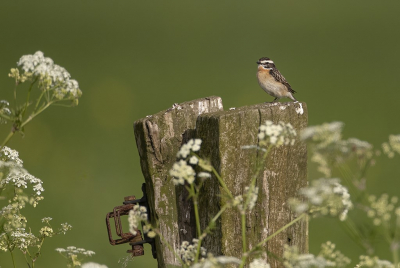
(265, 63)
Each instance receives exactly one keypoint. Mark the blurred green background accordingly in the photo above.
(135, 58)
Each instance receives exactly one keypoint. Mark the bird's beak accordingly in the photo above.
(258, 62)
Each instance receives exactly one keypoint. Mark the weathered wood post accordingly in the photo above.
(160, 136)
(158, 139)
(283, 173)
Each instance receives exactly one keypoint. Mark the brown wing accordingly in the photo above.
(279, 78)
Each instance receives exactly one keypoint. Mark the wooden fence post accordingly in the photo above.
(283, 173)
(159, 138)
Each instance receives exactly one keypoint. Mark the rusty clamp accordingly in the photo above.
(135, 241)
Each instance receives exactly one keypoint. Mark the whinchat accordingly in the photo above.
(272, 81)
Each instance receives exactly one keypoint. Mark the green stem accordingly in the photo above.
(38, 101)
(24, 123)
(243, 214)
(221, 181)
(246, 203)
(196, 214)
(7, 139)
(12, 257)
(279, 231)
(28, 97)
(35, 114)
(247, 254)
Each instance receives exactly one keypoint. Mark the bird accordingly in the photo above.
(272, 81)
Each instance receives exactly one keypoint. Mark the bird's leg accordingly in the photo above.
(275, 99)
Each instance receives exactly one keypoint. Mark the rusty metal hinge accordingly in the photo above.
(136, 241)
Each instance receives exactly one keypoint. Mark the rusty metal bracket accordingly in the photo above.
(135, 241)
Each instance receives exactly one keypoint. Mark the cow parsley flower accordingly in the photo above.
(50, 76)
(137, 215)
(219, 261)
(323, 197)
(16, 176)
(182, 172)
(276, 134)
(192, 145)
(392, 147)
(381, 209)
(328, 257)
(259, 263)
(329, 149)
(374, 262)
(187, 252)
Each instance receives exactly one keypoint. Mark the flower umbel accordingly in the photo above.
(323, 197)
(328, 257)
(51, 77)
(187, 252)
(276, 134)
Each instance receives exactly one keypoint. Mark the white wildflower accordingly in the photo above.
(214, 262)
(93, 265)
(252, 195)
(276, 134)
(374, 262)
(204, 175)
(192, 145)
(187, 252)
(392, 147)
(51, 76)
(46, 219)
(137, 215)
(65, 227)
(182, 172)
(46, 231)
(193, 160)
(328, 257)
(323, 197)
(259, 263)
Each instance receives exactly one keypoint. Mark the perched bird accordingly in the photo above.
(272, 81)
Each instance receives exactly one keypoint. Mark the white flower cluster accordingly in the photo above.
(8, 154)
(137, 215)
(192, 145)
(391, 147)
(16, 175)
(75, 251)
(187, 252)
(23, 240)
(381, 209)
(51, 76)
(216, 262)
(182, 170)
(276, 134)
(259, 263)
(46, 231)
(65, 227)
(374, 262)
(4, 111)
(47, 219)
(93, 265)
(328, 148)
(327, 257)
(251, 193)
(323, 197)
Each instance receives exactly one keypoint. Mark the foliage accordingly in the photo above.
(19, 188)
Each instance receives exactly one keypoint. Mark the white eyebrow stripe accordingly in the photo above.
(268, 61)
